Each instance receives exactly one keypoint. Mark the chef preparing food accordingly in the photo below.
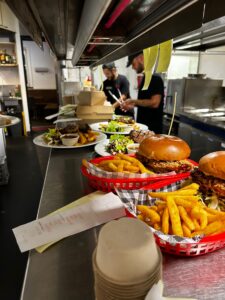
(150, 101)
(116, 86)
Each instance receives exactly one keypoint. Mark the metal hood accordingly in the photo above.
(95, 32)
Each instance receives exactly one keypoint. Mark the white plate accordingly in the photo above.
(14, 120)
(95, 127)
(100, 148)
(40, 142)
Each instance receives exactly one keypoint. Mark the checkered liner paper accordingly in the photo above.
(93, 170)
(131, 198)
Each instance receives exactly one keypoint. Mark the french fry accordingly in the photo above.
(181, 213)
(165, 221)
(149, 213)
(161, 207)
(91, 138)
(82, 138)
(85, 163)
(113, 167)
(184, 203)
(170, 229)
(157, 226)
(174, 217)
(222, 230)
(154, 207)
(196, 224)
(120, 167)
(143, 169)
(135, 162)
(164, 195)
(189, 198)
(141, 217)
(186, 230)
(214, 212)
(132, 169)
(186, 219)
(191, 186)
(212, 218)
(106, 162)
(213, 227)
(161, 212)
(198, 213)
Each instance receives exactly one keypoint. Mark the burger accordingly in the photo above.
(210, 175)
(164, 153)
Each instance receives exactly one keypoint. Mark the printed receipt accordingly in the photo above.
(104, 208)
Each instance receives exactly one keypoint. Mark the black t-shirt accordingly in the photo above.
(120, 84)
(152, 117)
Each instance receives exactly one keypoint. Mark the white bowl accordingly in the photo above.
(126, 250)
(132, 148)
(69, 139)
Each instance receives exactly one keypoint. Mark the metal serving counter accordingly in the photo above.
(64, 271)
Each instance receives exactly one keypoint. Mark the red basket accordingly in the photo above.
(206, 245)
(109, 184)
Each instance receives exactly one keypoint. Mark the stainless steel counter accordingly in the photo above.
(64, 271)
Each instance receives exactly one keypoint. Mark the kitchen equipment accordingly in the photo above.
(115, 98)
(197, 93)
(197, 76)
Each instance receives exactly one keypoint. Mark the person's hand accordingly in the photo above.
(127, 104)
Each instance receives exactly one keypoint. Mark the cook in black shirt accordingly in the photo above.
(150, 101)
(118, 85)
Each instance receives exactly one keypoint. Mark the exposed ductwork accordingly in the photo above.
(95, 32)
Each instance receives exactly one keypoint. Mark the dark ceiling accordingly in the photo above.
(93, 32)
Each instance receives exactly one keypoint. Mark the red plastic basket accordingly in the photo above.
(109, 184)
(206, 245)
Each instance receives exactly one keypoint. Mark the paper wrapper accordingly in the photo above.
(150, 57)
(95, 171)
(165, 53)
(132, 198)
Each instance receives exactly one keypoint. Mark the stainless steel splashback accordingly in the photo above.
(193, 93)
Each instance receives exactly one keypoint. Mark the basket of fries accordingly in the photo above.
(123, 172)
(182, 224)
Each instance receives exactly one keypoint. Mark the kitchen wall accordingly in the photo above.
(182, 63)
(212, 63)
(36, 58)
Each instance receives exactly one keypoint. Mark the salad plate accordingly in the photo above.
(7, 121)
(100, 148)
(39, 141)
(114, 127)
(116, 144)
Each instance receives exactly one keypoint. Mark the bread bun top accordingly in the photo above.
(164, 147)
(213, 164)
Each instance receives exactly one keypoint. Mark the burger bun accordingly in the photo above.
(164, 147)
(213, 164)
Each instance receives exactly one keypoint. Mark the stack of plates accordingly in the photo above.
(126, 262)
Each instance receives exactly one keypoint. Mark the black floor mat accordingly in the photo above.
(19, 201)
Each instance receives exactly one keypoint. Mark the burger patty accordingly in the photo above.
(165, 166)
(209, 183)
(139, 135)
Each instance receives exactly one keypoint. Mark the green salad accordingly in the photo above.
(112, 126)
(52, 136)
(118, 144)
